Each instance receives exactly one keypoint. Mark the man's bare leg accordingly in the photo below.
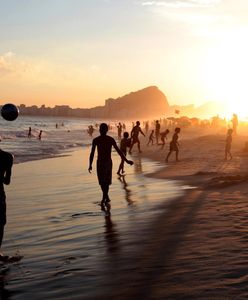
(166, 160)
(177, 155)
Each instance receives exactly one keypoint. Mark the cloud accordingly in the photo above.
(6, 63)
(182, 3)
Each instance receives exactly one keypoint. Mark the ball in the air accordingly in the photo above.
(9, 112)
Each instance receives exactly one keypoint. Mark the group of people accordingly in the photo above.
(30, 133)
(104, 144)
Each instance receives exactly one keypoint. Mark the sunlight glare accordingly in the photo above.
(225, 73)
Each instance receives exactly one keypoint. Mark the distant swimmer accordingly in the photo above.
(228, 144)
(90, 130)
(40, 134)
(151, 137)
(125, 143)
(29, 132)
(6, 162)
(174, 145)
(104, 144)
(135, 136)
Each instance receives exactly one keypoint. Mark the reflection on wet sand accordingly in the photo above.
(137, 164)
(128, 192)
(111, 233)
(4, 293)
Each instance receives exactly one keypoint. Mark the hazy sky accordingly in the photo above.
(80, 52)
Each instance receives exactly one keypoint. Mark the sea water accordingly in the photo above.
(55, 140)
(71, 248)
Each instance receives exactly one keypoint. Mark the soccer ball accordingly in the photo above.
(9, 112)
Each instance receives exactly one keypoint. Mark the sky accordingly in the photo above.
(81, 52)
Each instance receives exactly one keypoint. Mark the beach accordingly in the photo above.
(176, 230)
(198, 248)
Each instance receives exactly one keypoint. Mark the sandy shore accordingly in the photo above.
(197, 249)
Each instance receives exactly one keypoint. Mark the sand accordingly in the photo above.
(195, 248)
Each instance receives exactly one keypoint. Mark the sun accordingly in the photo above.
(225, 75)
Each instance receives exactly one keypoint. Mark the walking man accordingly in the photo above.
(104, 144)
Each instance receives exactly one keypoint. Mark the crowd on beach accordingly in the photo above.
(156, 135)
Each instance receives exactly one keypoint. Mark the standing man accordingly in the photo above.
(119, 130)
(6, 162)
(235, 122)
(174, 145)
(135, 136)
(157, 131)
(104, 145)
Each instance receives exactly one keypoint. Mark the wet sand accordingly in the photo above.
(69, 246)
(196, 249)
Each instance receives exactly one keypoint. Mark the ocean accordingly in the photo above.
(70, 133)
(70, 248)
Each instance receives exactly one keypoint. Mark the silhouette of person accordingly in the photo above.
(90, 130)
(235, 123)
(228, 144)
(125, 142)
(40, 134)
(6, 162)
(104, 144)
(163, 137)
(151, 137)
(29, 132)
(119, 130)
(174, 145)
(135, 136)
(157, 131)
(146, 126)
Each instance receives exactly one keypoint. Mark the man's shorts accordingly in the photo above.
(2, 208)
(104, 172)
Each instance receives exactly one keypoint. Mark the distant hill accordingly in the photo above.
(148, 102)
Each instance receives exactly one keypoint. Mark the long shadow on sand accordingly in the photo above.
(153, 258)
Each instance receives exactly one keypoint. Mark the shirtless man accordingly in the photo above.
(228, 144)
(6, 162)
(135, 136)
(104, 144)
(174, 145)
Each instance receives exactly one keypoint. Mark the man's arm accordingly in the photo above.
(130, 162)
(93, 148)
(7, 175)
(131, 134)
(142, 132)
